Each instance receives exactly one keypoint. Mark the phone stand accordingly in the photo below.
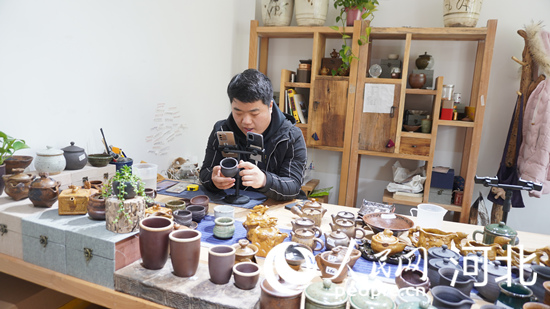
(237, 198)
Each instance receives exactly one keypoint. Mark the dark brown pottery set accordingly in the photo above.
(185, 251)
(44, 191)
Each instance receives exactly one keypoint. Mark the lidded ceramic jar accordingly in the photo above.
(50, 161)
(75, 157)
(325, 295)
(17, 184)
(245, 251)
(335, 239)
(44, 191)
(424, 62)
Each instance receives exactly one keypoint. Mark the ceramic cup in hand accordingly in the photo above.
(229, 167)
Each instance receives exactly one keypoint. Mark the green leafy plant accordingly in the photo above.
(121, 179)
(367, 7)
(9, 146)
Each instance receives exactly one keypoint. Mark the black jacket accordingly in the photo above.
(285, 156)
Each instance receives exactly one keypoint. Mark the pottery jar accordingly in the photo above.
(514, 295)
(451, 298)
(154, 241)
(307, 237)
(17, 185)
(246, 275)
(413, 278)
(277, 13)
(463, 283)
(312, 213)
(96, 207)
(50, 161)
(174, 205)
(335, 239)
(202, 200)
(457, 13)
(442, 252)
(17, 162)
(182, 217)
(273, 299)
(491, 271)
(371, 300)
(325, 294)
(245, 251)
(44, 191)
(543, 275)
(75, 157)
(348, 227)
(306, 223)
(498, 229)
(417, 80)
(311, 13)
(185, 252)
(224, 228)
(433, 269)
(424, 62)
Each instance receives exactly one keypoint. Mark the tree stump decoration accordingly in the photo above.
(134, 207)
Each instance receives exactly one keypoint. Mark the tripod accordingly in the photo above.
(237, 198)
(522, 185)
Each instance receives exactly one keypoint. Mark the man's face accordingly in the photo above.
(251, 117)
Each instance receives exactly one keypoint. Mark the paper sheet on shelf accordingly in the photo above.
(378, 98)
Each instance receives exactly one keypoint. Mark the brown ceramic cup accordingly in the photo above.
(220, 263)
(185, 251)
(246, 275)
(197, 212)
(153, 241)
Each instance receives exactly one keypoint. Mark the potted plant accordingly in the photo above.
(348, 8)
(8, 147)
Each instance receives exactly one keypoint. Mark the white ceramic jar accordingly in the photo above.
(50, 161)
(277, 13)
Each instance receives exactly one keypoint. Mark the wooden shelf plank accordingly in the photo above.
(421, 91)
(298, 85)
(456, 123)
(388, 198)
(394, 81)
(416, 135)
(338, 149)
(392, 155)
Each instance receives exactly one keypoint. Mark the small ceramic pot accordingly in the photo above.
(154, 240)
(335, 239)
(224, 228)
(306, 223)
(424, 62)
(325, 295)
(273, 299)
(49, 161)
(229, 167)
(371, 300)
(182, 217)
(203, 200)
(75, 157)
(44, 191)
(185, 252)
(17, 185)
(129, 190)
(329, 262)
(224, 211)
(220, 263)
(246, 275)
(449, 297)
(413, 278)
(417, 80)
(197, 212)
(307, 238)
(514, 295)
(175, 205)
(96, 207)
(543, 275)
(343, 215)
(463, 283)
(245, 251)
(348, 227)
(387, 243)
(17, 162)
(433, 269)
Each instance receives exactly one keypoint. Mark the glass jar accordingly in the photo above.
(447, 93)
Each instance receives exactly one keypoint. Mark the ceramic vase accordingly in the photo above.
(277, 13)
(459, 13)
(153, 241)
(311, 12)
(417, 80)
(185, 251)
(220, 263)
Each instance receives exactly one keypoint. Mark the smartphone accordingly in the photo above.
(255, 141)
(226, 138)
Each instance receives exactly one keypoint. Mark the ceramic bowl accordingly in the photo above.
(17, 162)
(378, 222)
(410, 128)
(175, 205)
(246, 275)
(99, 159)
(393, 56)
(182, 216)
(224, 211)
(197, 212)
(203, 200)
(413, 278)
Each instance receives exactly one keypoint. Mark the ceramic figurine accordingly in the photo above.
(429, 237)
(266, 236)
(254, 217)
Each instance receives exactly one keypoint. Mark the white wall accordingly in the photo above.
(454, 61)
(69, 68)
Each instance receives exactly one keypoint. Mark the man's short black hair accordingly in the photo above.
(250, 86)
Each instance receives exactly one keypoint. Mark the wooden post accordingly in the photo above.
(134, 207)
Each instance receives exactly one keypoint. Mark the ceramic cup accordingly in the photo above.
(197, 212)
(224, 211)
(429, 215)
(175, 205)
(229, 167)
(220, 263)
(224, 228)
(533, 305)
(246, 275)
(514, 295)
(182, 217)
(470, 112)
(202, 200)
(153, 241)
(185, 251)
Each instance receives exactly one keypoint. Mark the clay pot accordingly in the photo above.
(246, 275)
(543, 275)
(335, 239)
(382, 242)
(325, 295)
(412, 278)
(220, 263)
(224, 228)
(424, 61)
(183, 217)
(174, 205)
(343, 215)
(129, 190)
(273, 299)
(50, 161)
(185, 251)
(433, 269)
(154, 240)
(329, 261)
(17, 162)
(197, 212)
(75, 157)
(99, 159)
(348, 227)
(307, 238)
(224, 211)
(17, 185)
(491, 271)
(417, 80)
(306, 223)
(245, 251)
(442, 252)
(44, 191)
(96, 207)
(202, 200)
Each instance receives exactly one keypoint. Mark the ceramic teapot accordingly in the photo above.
(315, 214)
(329, 263)
(307, 238)
(491, 271)
(385, 240)
(44, 191)
(245, 251)
(325, 295)
(17, 184)
(348, 227)
(306, 223)
(335, 239)
(265, 236)
(430, 237)
(494, 230)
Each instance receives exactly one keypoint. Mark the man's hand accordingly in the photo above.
(220, 181)
(251, 175)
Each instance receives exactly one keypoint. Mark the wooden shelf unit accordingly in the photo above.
(350, 106)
